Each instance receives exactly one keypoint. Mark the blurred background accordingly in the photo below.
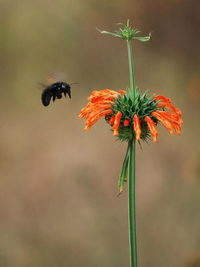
(58, 184)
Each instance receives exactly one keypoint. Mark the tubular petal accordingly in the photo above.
(117, 123)
(137, 127)
(96, 108)
(169, 106)
(126, 122)
(152, 128)
(168, 125)
(122, 92)
(112, 119)
(163, 98)
(172, 117)
(96, 117)
(177, 128)
(101, 114)
(105, 93)
(101, 98)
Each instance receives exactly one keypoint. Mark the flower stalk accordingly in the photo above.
(131, 67)
(132, 206)
(131, 178)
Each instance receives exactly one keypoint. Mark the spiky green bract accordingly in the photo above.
(142, 105)
(126, 32)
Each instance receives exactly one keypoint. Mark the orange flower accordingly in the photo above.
(100, 105)
(132, 117)
(137, 127)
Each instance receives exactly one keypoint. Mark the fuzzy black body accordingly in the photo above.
(55, 90)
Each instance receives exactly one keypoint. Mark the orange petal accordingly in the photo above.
(137, 127)
(162, 98)
(94, 119)
(104, 92)
(168, 125)
(171, 117)
(126, 122)
(100, 114)
(152, 128)
(94, 109)
(100, 104)
(122, 92)
(177, 128)
(117, 123)
(170, 107)
(112, 119)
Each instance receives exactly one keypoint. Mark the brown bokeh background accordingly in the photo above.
(58, 185)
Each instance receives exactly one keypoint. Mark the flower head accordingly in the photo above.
(132, 117)
(126, 32)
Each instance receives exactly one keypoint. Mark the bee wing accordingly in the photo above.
(53, 77)
(42, 85)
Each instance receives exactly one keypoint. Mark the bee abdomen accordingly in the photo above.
(46, 98)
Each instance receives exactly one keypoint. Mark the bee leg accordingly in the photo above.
(69, 93)
(59, 96)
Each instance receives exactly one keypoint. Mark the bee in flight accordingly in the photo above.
(55, 90)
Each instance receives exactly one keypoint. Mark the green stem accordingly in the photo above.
(131, 67)
(131, 206)
(131, 191)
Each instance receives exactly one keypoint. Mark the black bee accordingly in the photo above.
(54, 91)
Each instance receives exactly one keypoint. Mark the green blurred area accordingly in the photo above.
(58, 186)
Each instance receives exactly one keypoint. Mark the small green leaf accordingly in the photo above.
(123, 24)
(110, 33)
(124, 172)
(143, 39)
